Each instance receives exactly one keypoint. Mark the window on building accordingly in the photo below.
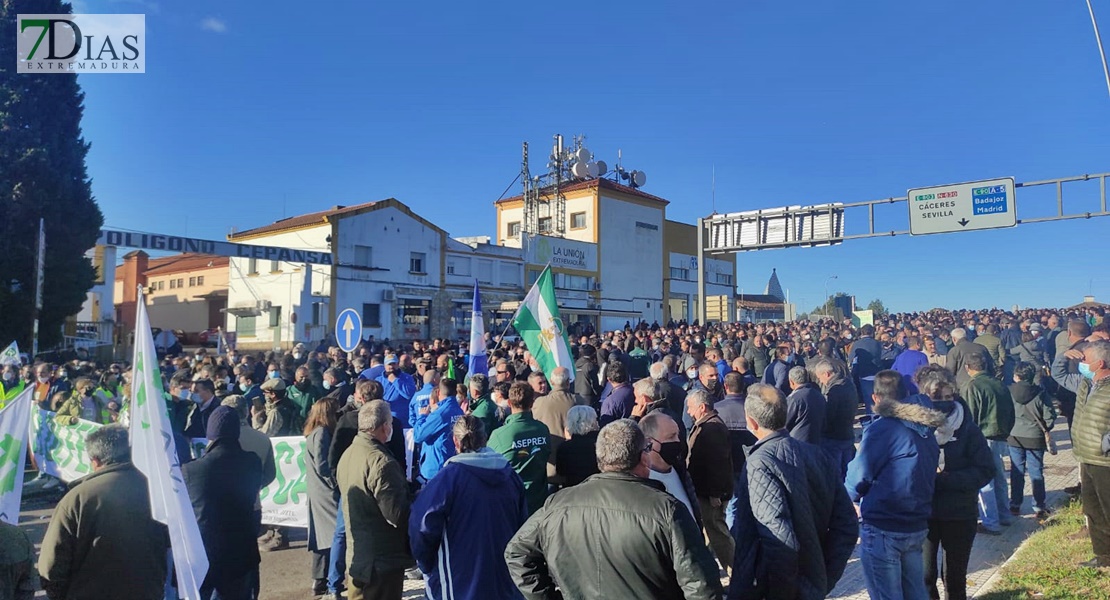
(510, 273)
(545, 224)
(245, 326)
(363, 254)
(578, 220)
(275, 266)
(319, 313)
(458, 265)
(533, 275)
(252, 266)
(371, 315)
(200, 279)
(513, 229)
(484, 270)
(679, 273)
(461, 317)
(275, 316)
(192, 282)
(181, 282)
(173, 284)
(416, 262)
(724, 278)
(414, 312)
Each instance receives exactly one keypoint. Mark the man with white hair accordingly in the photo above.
(805, 408)
(956, 361)
(375, 503)
(551, 410)
(676, 396)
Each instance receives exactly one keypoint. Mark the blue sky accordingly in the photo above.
(247, 115)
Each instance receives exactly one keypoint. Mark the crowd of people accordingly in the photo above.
(666, 458)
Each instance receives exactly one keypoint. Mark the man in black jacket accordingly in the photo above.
(710, 467)
(795, 526)
(651, 546)
(223, 486)
(805, 408)
(838, 432)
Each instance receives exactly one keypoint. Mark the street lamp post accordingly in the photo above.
(827, 294)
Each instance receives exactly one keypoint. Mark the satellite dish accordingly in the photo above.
(591, 168)
(580, 170)
(583, 155)
(638, 178)
(602, 168)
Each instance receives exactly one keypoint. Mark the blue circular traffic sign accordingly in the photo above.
(348, 329)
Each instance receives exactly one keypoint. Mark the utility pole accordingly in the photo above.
(40, 268)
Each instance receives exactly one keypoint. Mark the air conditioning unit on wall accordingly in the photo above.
(387, 295)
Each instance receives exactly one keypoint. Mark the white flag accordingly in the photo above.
(154, 453)
(15, 424)
(10, 355)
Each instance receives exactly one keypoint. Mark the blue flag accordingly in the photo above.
(478, 362)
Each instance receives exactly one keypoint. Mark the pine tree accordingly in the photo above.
(42, 174)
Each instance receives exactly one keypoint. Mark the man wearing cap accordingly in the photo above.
(223, 487)
(398, 387)
(278, 416)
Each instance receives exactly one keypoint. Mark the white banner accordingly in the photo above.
(15, 424)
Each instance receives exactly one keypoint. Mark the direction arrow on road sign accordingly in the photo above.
(963, 207)
(348, 329)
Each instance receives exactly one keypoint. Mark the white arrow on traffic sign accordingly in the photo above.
(348, 329)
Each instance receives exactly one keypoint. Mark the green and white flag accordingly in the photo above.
(10, 355)
(537, 321)
(15, 423)
(154, 453)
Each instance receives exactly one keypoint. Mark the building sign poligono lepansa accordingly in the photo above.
(560, 253)
(80, 43)
(963, 206)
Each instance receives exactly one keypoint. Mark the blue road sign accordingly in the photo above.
(348, 329)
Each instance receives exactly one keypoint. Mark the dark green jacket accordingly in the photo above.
(376, 506)
(992, 409)
(524, 442)
(304, 400)
(613, 536)
(104, 522)
(486, 411)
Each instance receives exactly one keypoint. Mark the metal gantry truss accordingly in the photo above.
(836, 234)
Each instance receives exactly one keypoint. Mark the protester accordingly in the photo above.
(841, 400)
(323, 495)
(863, 359)
(667, 453)
(909, 361)
(203, 395)
(376, 506)
(805, 408)
(965, 466)
(795, 527)
(303, 393)
(524, 442)
(18, 578)
(1033, 419)
(654, 551)
(619, 402)
(482, 405)
(710, 468)
(577, 459)
(957, 357)
(104, 521)
(432, 429)
(551, 410)
(223, 487)
(475, 504)
(892, 478)
(1092, 420)
(586, 371)
(992, 409)
(82, 405)
(777, 373)
(398, 387)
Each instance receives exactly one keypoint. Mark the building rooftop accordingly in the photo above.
(590, 184)
(180, 263)
(316, 218)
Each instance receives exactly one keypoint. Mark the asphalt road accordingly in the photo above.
(285, 573)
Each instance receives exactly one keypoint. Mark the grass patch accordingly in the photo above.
(1047, 566)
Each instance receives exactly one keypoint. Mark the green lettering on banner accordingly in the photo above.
(290, 485)
(9, 457)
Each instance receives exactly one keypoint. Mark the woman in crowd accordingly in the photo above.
(965, 466)
(576, 459)
(1033, 418)
(82, 404)
(323, 495)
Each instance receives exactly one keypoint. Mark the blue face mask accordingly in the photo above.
(273, 374)
(244, 387)
(327, 384)
(1085, 370)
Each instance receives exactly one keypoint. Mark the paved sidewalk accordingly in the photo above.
(990, 552)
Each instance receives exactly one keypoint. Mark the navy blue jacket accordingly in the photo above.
(462, 521)
(865, 357)
(805, 414)
(795, 527)
(894, 473)
(617, 405)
